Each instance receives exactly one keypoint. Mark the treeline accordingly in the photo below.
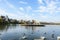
(6, 20)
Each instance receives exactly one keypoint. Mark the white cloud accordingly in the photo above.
(11, 15)
(22, 2)
(21, 8)
(28, 17)
(17, 14)
(28, 9)
(58, 9)
(24, 16)
(42, 9)
(50, 7)
(43, 16)
(2, 11)
(9, 4)
(40, 1)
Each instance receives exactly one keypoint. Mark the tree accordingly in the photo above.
(1, 20)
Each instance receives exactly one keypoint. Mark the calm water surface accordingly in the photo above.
(16, 32)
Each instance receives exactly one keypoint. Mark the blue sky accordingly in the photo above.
(42, 10)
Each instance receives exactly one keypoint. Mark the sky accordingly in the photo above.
(42, 10)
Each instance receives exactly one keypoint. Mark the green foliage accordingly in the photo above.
(1, 20)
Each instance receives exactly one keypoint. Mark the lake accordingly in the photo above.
(16, 32)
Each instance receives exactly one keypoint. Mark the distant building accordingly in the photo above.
(35, 22)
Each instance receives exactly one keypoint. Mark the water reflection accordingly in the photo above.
(2, 27)
(5, 27)
(17, 32)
